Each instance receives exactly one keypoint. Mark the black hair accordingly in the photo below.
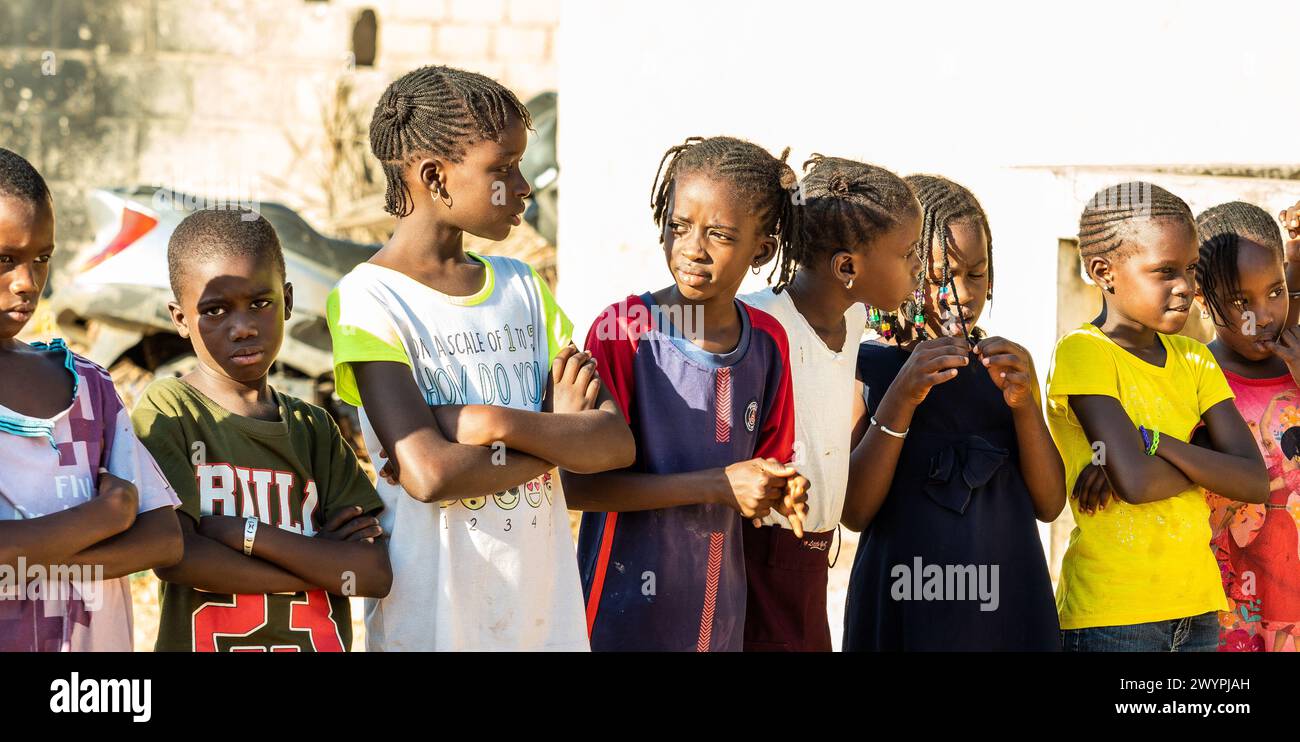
(1290, 442)
(19, 179)
(943, 204)
(217, 233)
(437, 111)
(1220, 228)
(846, 203)
(1110, 214)
(769, 183)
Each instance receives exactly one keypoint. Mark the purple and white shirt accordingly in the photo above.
(50, 465)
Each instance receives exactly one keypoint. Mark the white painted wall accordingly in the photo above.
(973, 91)
(963, 89)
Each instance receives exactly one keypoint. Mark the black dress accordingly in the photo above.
(953, 560)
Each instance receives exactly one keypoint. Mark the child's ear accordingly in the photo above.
(1201, 304)
(767, 249)
(178, 319)
(432, 175)
(1099, 270)
(842, 267)
(288, 300)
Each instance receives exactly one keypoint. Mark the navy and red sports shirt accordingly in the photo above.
(674, 578)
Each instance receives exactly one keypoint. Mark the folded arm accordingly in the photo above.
(216, 568)
(55, 538)
(342, 567)
(584, 442)
(1134, 476)
(430, 467)
(153, 541)
(1231, 466)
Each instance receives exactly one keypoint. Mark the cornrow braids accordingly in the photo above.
(1221, 228)
(436, 111)
(1109, 216)
(768, 182)
(846, 203)
(943, 204)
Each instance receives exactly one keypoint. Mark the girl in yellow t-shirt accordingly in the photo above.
(1124, 397)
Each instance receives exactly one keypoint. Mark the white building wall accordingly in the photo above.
(978, 92)
(962, 89)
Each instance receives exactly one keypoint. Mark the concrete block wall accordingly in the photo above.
(226, 96)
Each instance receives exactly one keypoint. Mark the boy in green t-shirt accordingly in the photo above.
(279, 519)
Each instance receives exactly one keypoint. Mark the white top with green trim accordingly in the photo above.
(495, 572)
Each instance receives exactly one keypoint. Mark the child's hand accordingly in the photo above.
(794, 505)
(350, 524)
(1012, 371)
(120, 497)
(757, 485)
(931, 362)
(574, 381)
(1291, 223)
(1287, 348)
(389, 473)
(1092, 488)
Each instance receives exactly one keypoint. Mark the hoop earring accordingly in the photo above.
(437, 193)
(755, 269)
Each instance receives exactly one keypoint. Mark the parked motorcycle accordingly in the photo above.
(114, 303)
(112, 299)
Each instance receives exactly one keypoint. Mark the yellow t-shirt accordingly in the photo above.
(1131, 564)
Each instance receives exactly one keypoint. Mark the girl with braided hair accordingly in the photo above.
(860, 225)
(1245, 274)
(464, 371)
(704, 382)
(957, 463)
(1124, 396)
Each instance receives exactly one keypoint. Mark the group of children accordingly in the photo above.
(713, 442)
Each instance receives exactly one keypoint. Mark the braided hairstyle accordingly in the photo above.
(436, 111)
(769, 184)
(845, 203)
(943, 204)
(1220, 227)
(1111, 214)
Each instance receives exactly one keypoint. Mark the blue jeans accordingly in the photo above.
(1190, 634)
